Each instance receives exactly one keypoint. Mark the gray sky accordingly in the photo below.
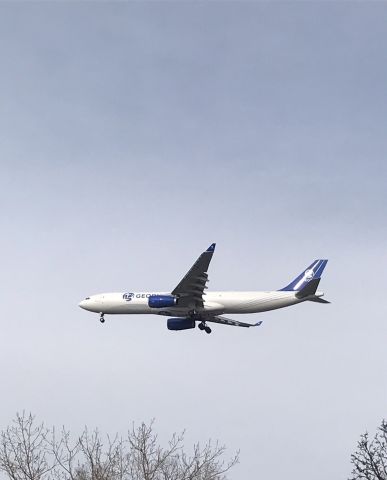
(132, 135)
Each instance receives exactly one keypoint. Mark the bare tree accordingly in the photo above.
(23, 450)
(99, 463)
(65, 453)
(29, 452)
(370, 459)
(149, 461)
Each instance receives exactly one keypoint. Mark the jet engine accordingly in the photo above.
(161, 301)
(180, 323)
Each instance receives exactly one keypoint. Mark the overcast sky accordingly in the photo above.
(133, 135)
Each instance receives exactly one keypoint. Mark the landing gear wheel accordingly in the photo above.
(201, 326)
(101, 318)
(207, 329)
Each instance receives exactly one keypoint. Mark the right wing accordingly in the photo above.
(190, 290)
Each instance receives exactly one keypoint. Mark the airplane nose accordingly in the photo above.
(82, 304)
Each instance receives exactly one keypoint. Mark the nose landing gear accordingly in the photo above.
(101, 318)
(202, 326)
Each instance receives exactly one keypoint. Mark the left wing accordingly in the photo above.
(229, 321)
(190, 289)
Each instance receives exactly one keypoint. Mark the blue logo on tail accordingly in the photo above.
(314, 271)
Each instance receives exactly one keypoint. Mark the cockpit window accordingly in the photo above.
(87, 298)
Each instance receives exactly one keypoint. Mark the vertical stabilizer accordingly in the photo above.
(313, 272)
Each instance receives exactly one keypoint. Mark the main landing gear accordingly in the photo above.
(101, 318)
(203, 326)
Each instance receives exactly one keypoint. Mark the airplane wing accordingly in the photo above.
(190, 289)
(229, 321)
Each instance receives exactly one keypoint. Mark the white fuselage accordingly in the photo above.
(215, 303)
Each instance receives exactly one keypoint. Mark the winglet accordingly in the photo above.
(211, 248)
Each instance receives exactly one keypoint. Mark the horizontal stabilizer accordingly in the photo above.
(309, 289)
(318, 300)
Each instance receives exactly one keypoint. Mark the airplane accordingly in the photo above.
(188, 303)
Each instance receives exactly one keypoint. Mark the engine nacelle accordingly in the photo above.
(180, 323)
(161, 301)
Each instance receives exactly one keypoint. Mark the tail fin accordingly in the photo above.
(311, 274)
